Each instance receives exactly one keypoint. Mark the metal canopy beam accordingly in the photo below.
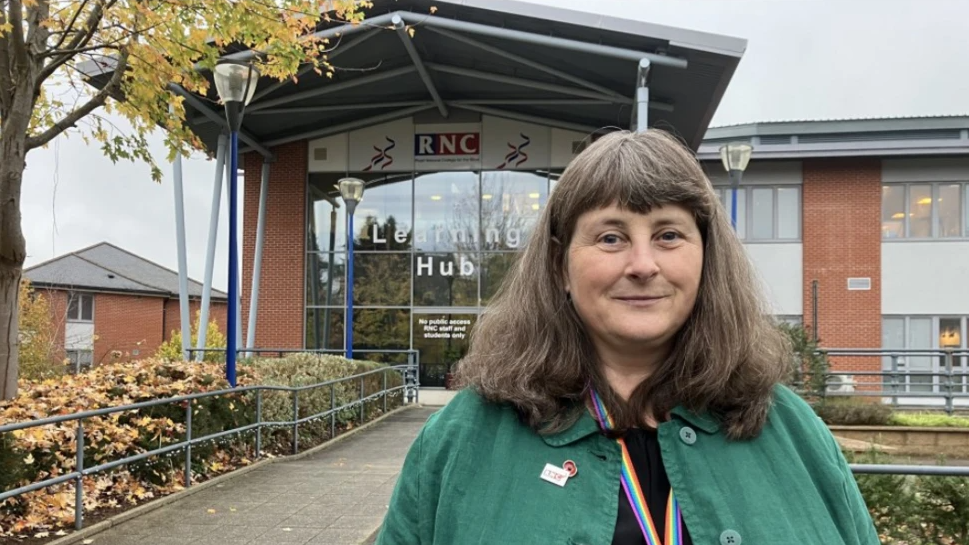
(327, 89)
(307, 69)
(418, 64)
(527, 118)
(349, 126)
(197, 103)
(539, 39)
(661, 106)
(336, 108)
(526, 62)
(521, 82)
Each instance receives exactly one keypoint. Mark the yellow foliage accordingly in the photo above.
(37, 335)
(171, 350)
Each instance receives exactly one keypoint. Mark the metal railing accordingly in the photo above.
(941, 381)
(409, 387)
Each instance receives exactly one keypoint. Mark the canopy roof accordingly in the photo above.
(507, 58)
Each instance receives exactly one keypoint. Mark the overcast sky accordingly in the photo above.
(805, 59)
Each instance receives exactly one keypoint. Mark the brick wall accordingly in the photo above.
(842, 239)
(280, 322)
(173, 315)
(126, 327)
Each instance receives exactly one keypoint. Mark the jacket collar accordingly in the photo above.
(587, 425)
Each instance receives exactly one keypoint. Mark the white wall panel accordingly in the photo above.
(563, 142)
(79, 336)
(780, 270)
(386, 147)
(328, 154)
(514, 145)
(925, 277)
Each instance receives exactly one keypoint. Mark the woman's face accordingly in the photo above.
(634, 277)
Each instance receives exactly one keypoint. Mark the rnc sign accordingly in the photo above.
(448, 148)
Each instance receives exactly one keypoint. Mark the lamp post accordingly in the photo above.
(236, 83)
(735, 157)
(351, 189)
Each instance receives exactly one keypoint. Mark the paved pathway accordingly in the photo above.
(335, 497)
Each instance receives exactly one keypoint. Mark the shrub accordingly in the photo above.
(808, 365)
(307, 369)
(853, 412)
(171, 350)
(929, 420)
(36, 454)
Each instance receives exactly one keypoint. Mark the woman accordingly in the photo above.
(624, 387)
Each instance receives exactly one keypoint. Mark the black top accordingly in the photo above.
(644, 450)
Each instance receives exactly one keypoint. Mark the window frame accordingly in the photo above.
(959, 368)
(80, 297)
(935, 220)
(746, 193)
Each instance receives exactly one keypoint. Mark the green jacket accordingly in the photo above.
(473, 476)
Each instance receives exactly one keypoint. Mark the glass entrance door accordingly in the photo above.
(442, 339)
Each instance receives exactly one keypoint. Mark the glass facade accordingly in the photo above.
(430, 250)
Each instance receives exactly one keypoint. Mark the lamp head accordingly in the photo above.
(735, 155)
(235, 81)
(351, 189)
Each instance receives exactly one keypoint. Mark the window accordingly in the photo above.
(80, 307)
(775, 212)
(79, 360)
(930, 333)
(925, 210)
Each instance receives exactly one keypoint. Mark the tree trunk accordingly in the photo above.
(13, 247)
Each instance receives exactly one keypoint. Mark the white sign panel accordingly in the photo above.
(566, 145)
(385, 147)
(447, 146)
(328, 154)
(514, 145)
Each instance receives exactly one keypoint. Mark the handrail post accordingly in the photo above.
(363, 404)
(259, 422)
(332, 410)
(948, 382)
(295, 421)
(895, 379)
(385, 390)
(79, 486)
(188, 443)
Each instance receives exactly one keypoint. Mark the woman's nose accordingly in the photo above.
(642, 261)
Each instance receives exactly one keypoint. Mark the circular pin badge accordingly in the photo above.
(569, 466)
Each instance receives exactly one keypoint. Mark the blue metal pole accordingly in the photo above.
(231, 307)
(733, 208)
(348, 324)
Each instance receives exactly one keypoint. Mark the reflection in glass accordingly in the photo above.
(950, 211)
(920, 338)
(446, 211)
(511, 203)
(386, 204)
(893, 211)
(788, 212)
(445, 279)
(326, 277)
(920, 211)
(494, 268)
(381, 279)
(763, 213)
(893, 337)
(324, 328)
(376, 329)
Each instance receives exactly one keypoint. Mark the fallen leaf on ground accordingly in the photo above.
(211, 511)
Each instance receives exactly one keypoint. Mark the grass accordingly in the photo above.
(929, 420)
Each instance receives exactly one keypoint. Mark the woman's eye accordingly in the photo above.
(610, 239)
(669, 236)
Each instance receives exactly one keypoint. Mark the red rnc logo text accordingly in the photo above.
(467, 143)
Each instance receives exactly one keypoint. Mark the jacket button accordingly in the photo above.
(730, 537)
(687, 435)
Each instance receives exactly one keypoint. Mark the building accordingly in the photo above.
(461, 131)
(112, 305)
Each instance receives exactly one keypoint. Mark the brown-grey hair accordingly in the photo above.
(529, 347)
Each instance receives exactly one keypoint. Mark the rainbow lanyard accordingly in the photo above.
(634, 492)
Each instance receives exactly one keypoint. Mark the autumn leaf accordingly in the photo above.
(29, 459)
(411, 31)
(433, 9)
